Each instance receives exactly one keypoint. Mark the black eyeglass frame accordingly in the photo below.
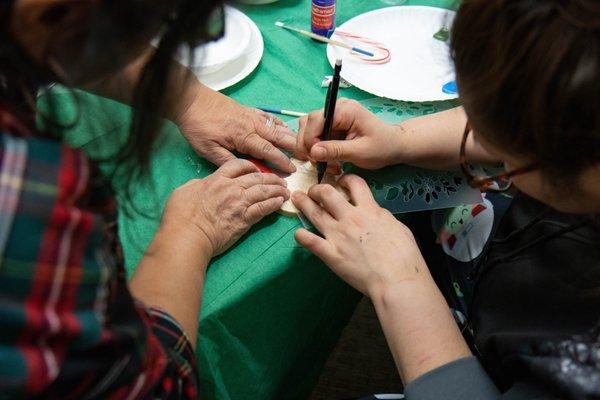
(488, 183)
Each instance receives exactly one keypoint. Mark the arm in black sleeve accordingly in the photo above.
(461, 379)
(466, 379)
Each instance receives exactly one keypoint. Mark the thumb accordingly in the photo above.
(336, 150)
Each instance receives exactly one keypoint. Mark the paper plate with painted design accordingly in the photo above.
(420, 65)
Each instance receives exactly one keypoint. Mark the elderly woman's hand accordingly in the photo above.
(216, 126)
(223, 206)
(362, 243)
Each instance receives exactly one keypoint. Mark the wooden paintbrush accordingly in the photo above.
(324, 39)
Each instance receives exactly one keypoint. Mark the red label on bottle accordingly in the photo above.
(323, 17)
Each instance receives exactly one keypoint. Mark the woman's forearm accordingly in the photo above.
(419, 329)
(171, 275)
(184, 87)
(433, 141)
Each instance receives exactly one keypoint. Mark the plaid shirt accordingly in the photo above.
(69, 327)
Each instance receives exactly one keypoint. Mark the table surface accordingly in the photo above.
(271, 312)
(299, 62)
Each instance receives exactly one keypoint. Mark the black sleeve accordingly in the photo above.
(527, 391)
(458, 380)
(466, 379)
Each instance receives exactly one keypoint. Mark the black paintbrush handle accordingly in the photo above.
(332, 94)
(322, 166)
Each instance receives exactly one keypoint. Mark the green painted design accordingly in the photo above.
(395, 108)
(443, 34)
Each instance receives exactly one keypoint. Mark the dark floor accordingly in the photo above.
(361, 363)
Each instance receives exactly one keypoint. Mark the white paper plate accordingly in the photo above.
(420, 64)
(239, 69)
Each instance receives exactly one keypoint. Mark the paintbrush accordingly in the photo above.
(324, 39)
(281, 111)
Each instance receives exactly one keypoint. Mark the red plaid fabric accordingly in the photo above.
(69, 326)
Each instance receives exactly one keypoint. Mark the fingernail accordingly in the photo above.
(296, 195)
(318, 152)
(280, 199)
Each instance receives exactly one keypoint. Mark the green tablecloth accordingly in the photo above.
(271, 312)
(293, 66)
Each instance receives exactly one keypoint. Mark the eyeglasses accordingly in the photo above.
(494, 183)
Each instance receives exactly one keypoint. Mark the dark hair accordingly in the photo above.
(528, 73)
(189, 22)
(190, 25)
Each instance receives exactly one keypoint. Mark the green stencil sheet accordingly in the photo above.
(271, 312)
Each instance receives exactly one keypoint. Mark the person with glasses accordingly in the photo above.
(516, 315)
(71, 327)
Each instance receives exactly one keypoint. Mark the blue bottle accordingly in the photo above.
(323, 17)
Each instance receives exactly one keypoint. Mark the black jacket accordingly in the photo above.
(534, 313)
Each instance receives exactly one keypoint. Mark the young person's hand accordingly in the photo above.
(431, 141)
(377, 255)
(357, 136)
(362, 243)
(223, 206)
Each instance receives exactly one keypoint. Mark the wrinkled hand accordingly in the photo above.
(357, 136)
(220, 126)
(223, 206)
(362, 243)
